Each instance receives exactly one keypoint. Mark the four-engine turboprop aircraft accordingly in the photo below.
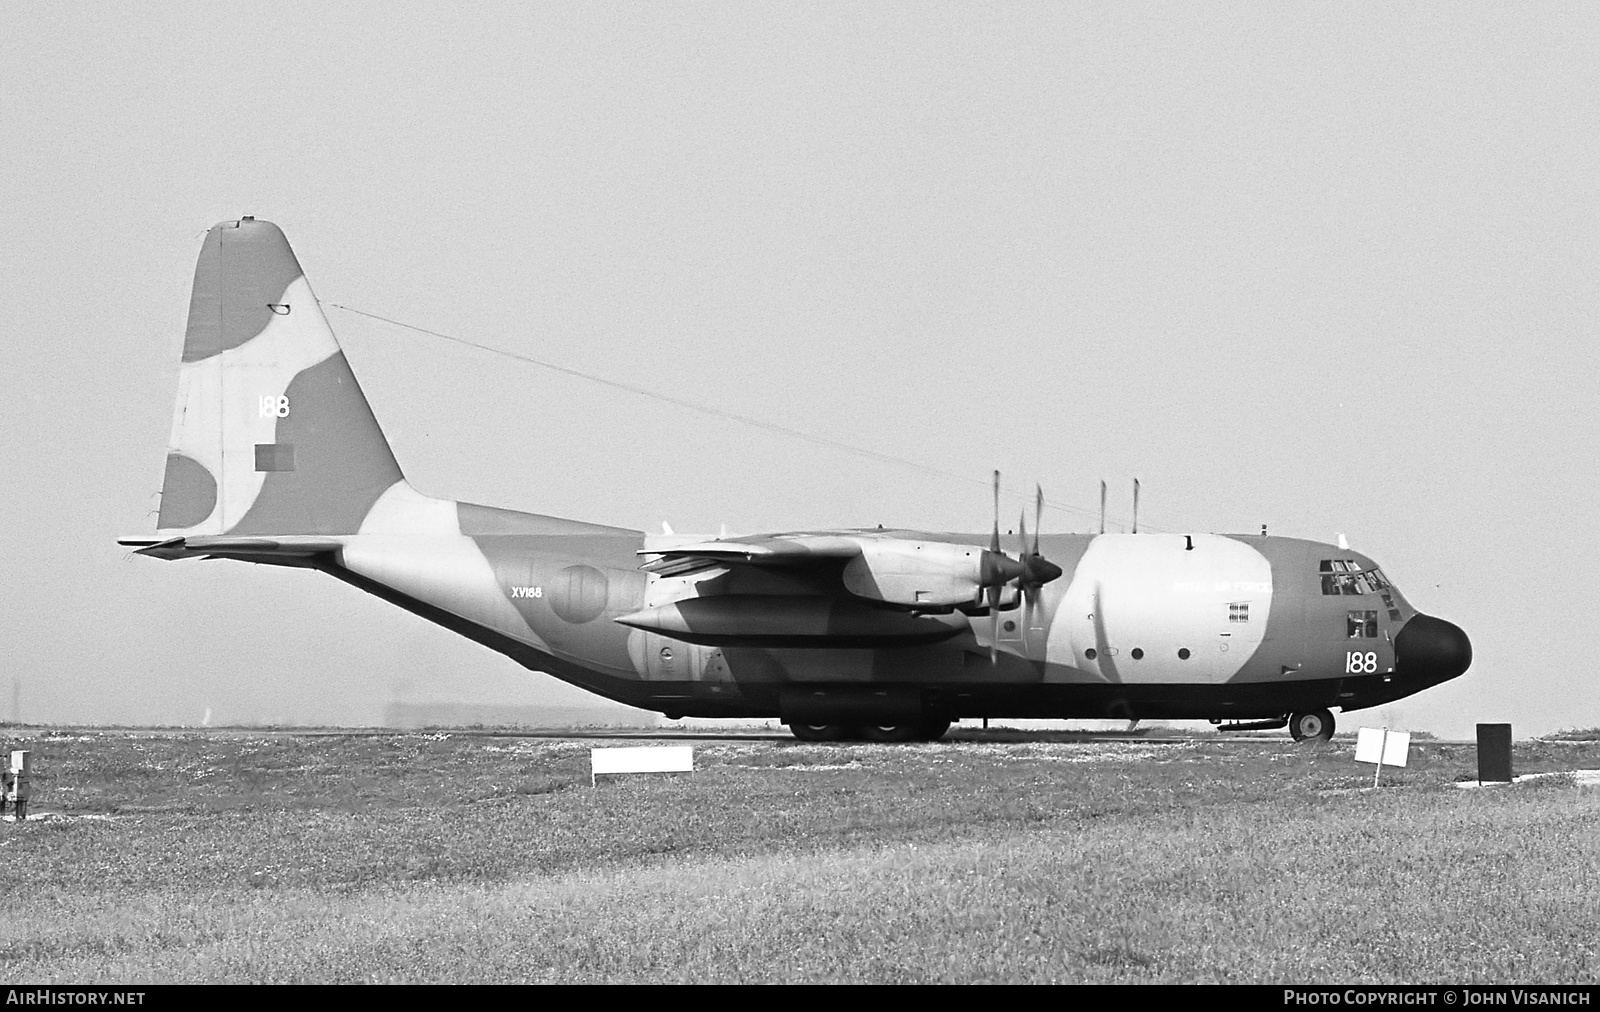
(276, 458)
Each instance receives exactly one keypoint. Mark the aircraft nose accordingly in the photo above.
(1432, 649)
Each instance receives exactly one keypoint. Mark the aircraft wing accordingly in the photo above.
(906, 572)
(778, 550)
(846, 607)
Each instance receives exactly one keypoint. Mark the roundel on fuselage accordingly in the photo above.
(578, 594)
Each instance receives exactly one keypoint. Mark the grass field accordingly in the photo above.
(451, 858)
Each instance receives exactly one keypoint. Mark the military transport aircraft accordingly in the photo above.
(889, 635)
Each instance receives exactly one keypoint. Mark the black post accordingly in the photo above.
(1494, 753)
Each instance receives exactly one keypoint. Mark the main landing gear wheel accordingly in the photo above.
(927, 730)
(1317, 724)
(818, 732)
(891, 732)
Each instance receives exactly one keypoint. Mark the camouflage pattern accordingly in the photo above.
(275, 458)
(271, 433)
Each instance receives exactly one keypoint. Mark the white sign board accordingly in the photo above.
(1379, 745)
(648, 759)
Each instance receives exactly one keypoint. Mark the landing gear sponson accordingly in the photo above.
(1307, 725)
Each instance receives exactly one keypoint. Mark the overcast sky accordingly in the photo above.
(1330, 268)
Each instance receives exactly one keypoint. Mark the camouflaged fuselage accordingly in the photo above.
(1146, 626)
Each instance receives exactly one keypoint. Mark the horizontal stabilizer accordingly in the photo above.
(285, 547)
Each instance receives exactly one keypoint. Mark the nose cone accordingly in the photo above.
(1431, 649)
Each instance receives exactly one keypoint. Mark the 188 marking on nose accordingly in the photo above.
(1358, 663)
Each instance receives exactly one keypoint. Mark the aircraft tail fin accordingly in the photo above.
(271, 434)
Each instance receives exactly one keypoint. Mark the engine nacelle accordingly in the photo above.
(926, 574)
(781, 620)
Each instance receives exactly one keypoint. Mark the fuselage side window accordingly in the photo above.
(1239, 612)
(1363, 625)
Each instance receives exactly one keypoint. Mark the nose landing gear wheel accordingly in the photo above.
(1312, 724)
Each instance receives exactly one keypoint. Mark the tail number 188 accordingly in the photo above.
(273, 407)
(1358, 663)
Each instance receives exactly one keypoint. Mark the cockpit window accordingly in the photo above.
(1388, 602)
(1344, 576)
(1363, 625)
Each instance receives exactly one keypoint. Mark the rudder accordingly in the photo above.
(271, 433)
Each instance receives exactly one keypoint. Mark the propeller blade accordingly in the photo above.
(994, 542)
(994, 623)
(999, 569)
(1039, 570)
(1024, 585)
(1038, 515)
